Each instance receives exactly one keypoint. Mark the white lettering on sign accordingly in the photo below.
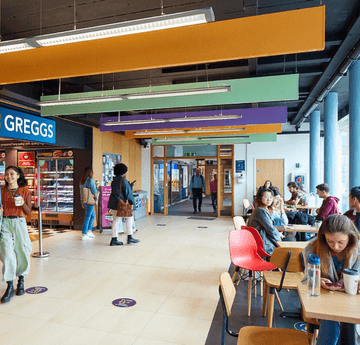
(17, 124)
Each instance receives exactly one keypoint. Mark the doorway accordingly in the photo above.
(270, 169)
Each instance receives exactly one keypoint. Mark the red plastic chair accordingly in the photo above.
(258, 239)
(244, 254)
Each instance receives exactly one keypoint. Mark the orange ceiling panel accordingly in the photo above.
(189, 132)
(264, 35)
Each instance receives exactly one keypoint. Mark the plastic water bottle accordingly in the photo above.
(313, 280)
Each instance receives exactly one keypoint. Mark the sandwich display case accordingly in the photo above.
(56, 188)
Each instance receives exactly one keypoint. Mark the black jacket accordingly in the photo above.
(126, 192)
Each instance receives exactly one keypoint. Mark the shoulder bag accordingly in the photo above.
(124, 209)
(88, 197)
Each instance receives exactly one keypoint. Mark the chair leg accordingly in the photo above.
(261, 284)
(279, 301)
(265, 299)
(249, 293)
(236, 271)
(311, 333)
(271, 306)
(255, 284)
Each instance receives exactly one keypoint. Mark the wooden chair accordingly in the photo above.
(253, 335)
(291, 263)
(247, 209)
(238, 222)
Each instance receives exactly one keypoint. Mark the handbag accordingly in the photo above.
(124, 209)
(88, 197)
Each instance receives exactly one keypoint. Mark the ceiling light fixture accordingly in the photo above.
(202, 138)
(179, 119)
(157, 94)
(165, 21)
(188, 131)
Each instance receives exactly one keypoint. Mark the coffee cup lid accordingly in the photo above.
(350, 271)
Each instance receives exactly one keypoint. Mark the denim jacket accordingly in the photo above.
(89, 183)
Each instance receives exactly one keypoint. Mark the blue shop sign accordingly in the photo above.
(18, 125)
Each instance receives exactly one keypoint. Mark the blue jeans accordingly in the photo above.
(329, 333)
(89, 218)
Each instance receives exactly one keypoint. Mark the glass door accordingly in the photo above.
(159, 175)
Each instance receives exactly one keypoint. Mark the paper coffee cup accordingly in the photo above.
(17, 199)
(351, 279)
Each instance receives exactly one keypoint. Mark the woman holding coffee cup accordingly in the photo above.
(15, 244)
(338, 249)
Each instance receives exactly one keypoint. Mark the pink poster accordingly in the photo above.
(106, 217)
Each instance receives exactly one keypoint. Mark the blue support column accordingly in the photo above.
(314, 151)
(354, 125)
(330, 142)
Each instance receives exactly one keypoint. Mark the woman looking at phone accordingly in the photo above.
(338, 248)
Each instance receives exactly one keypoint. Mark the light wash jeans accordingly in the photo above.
(89, 218)
(121, 227)
(117, 221)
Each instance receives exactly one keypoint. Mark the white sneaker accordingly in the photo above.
(86, 237)
(90, 234)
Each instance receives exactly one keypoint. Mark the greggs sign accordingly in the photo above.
(14, 124)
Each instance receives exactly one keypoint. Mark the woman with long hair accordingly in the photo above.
(261, 220)
(338, 248)
(15, 244)
(87, 181)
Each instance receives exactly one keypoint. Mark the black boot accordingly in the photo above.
(115, 242)
(20, 287)
(8, 293)
(132, 240)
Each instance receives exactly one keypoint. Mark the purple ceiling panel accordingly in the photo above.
(250, 116)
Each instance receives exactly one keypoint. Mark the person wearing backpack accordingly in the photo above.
(197, 185)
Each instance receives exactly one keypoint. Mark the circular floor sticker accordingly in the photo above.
(300, 326)
(124, 302)
(36, 290)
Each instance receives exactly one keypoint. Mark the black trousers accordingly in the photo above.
(197, 194)
(214, 200)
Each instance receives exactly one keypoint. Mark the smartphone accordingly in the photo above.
(133, 182)
(334, 284)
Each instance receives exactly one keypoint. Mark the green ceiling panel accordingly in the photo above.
(218, 139)
(250, 90)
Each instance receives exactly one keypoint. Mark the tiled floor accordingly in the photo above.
(172, 274)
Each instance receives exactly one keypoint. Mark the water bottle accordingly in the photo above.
(313, 280)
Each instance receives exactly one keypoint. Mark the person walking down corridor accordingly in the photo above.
(197, 185)
(15, 244)
(213, 190)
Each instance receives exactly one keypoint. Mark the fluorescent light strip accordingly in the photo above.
(170, 93)
(166, 21)
(175, 93)
(14, 47)
(201, 138)
(180, 119)
(187, 132)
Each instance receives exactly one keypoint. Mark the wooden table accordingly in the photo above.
(293, 244)
(297, 228)
(335, 306)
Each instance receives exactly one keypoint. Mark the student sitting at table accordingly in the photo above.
(354, 201)
(277, 210)
(330, 203)
(268, 184)
(260, 219)
(337, 247)
(297, 196)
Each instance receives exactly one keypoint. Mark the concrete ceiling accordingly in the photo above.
(21, 18)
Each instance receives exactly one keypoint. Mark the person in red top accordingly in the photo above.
(330, 203)
(213, 190)
(15, 244)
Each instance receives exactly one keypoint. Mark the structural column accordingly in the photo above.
(314, 151)
(354, 125)
(330, 142)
